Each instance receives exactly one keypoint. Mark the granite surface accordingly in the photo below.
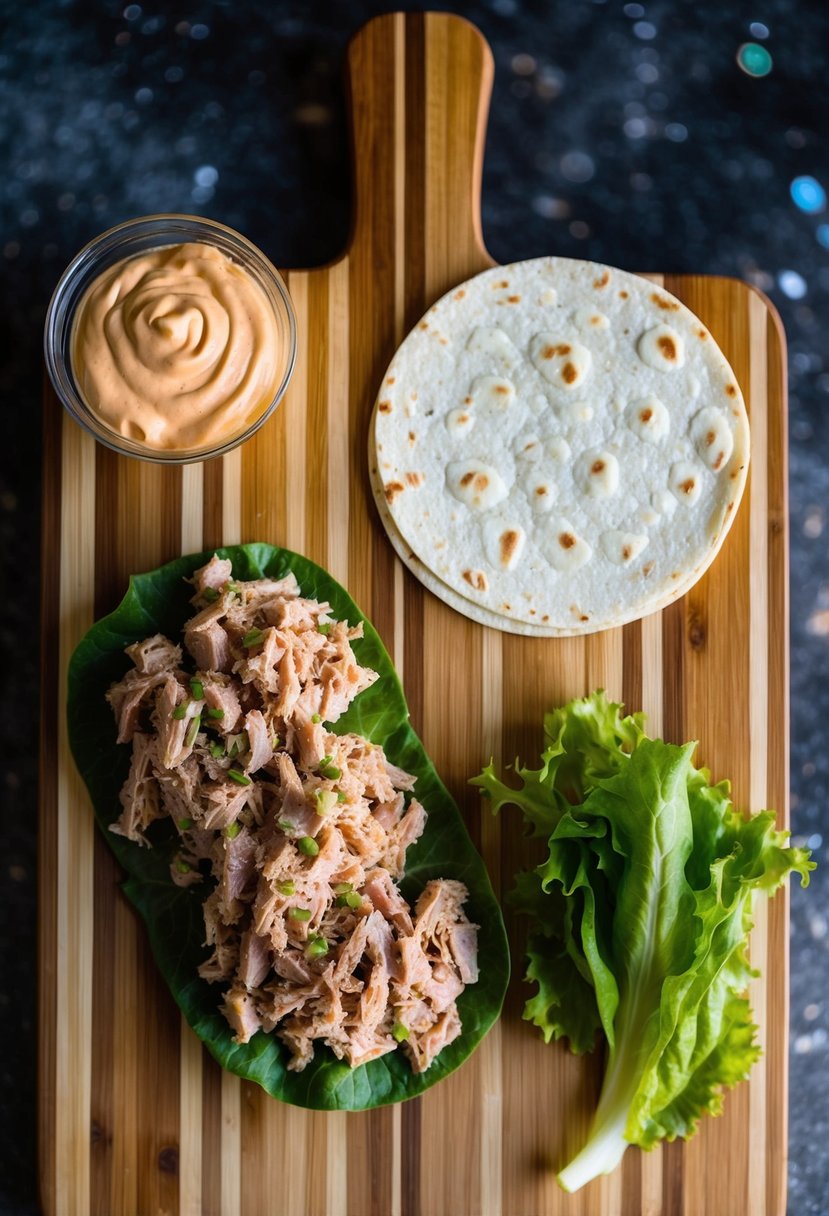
(673, 135)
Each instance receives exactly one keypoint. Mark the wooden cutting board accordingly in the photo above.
(134, 1116)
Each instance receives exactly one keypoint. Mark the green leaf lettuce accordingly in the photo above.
(640, 914)
(159, 602)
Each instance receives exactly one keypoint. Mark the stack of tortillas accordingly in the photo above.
(558, 447)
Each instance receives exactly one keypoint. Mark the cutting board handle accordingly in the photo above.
(418, 88)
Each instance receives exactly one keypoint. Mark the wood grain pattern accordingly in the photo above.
(134, 1117)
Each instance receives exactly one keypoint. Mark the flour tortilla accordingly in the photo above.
(431, 582)
(560, 448)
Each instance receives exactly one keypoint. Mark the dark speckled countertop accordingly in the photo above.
(637, 134)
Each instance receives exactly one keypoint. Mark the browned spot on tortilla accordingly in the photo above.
(626, 551)
(663, 303)
(595, 320)
(508, 542)
(568, 373)
(413, 396)
(390, 380)
(434, 308)
(532, 612)
(549, 351)
(444, 341)
(687, 485)
(584, 617)
(415, 480)
(467, 478)
(731, 390)
(602, 281)
(567, 540)
(710, 437)
(541, 491)
(513, 299)
(423, 325)
(623, 295)
(459, 294)
(440, 544)
(717, 465)
(506, 607)
(463, 418)
(476, 579)
(668, 347)
(702, 334)
(648, 569)
(392, 490)
(734, 475)
(384, 407)
(467, 400)
(545, 617)
(481, 482)
(730, 507)
(502, 389)
(645, 415)
(412, 436)
(597, 466)
(675, 574)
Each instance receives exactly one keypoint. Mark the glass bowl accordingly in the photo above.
(140, 236)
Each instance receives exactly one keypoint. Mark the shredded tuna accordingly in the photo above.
(298, 834)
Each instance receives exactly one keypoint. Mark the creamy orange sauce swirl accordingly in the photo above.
(176, 348)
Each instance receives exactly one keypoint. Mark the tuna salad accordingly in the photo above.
(298, 835)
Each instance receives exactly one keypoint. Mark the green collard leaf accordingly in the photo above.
(158, 602)
(640, 913)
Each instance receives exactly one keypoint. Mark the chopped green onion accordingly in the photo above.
(183, 867)
(210, 594)
(215, 713)
(286, 825)
(180, 711)
(236, 744)
(328, 769)
(323, 628)
(285, 888)
(340, 796)
(216, 750)
(350, 899)
(299, 913)
(399, 1032)
(192, 731)
(315, 718)
(316, 947)
(253, 637)
(232, 830)
(233, 588)
(342, 888)
(275, 742)
(197, 689)
(325, 801)
(185, 823)
(239, 778)
(308, 846)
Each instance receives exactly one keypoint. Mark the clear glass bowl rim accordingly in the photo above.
(122, 241)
